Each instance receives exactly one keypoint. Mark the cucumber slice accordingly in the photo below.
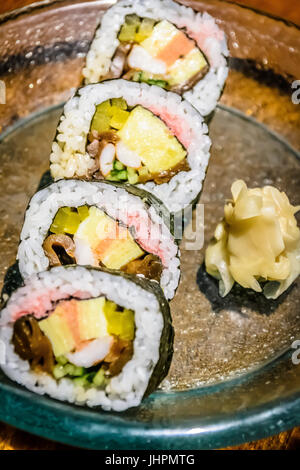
(62, 360)
(122, 175)
(80, 381)
(69, 369)
(160, 83)
(99, 379)
(59, 371)
(89, 377)
(111, 177)
(117, 175)
(78, 371)
(147, 78)
(137, 76)
(133, 177)
(118, 165)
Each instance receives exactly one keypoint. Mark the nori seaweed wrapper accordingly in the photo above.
(13, 278)
(12, 281)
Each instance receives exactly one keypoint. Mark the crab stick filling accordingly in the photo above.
(88, 341)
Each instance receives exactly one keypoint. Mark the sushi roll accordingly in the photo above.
(99, 224)
(133, 133)
(163, 43)
(87, 336)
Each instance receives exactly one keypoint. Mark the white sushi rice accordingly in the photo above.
(73, 193)
(124, 390)
(206, 93)
(69, 157)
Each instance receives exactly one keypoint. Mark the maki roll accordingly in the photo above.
(87, 336)
(161, 43)
(98, 224)
(133, 133)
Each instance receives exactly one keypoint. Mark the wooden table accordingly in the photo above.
(13, 439)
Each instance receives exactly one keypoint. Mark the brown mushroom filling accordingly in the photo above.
(59, 249)
(32, 345)
(150, 267)
(120, 353)
(167, 175)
